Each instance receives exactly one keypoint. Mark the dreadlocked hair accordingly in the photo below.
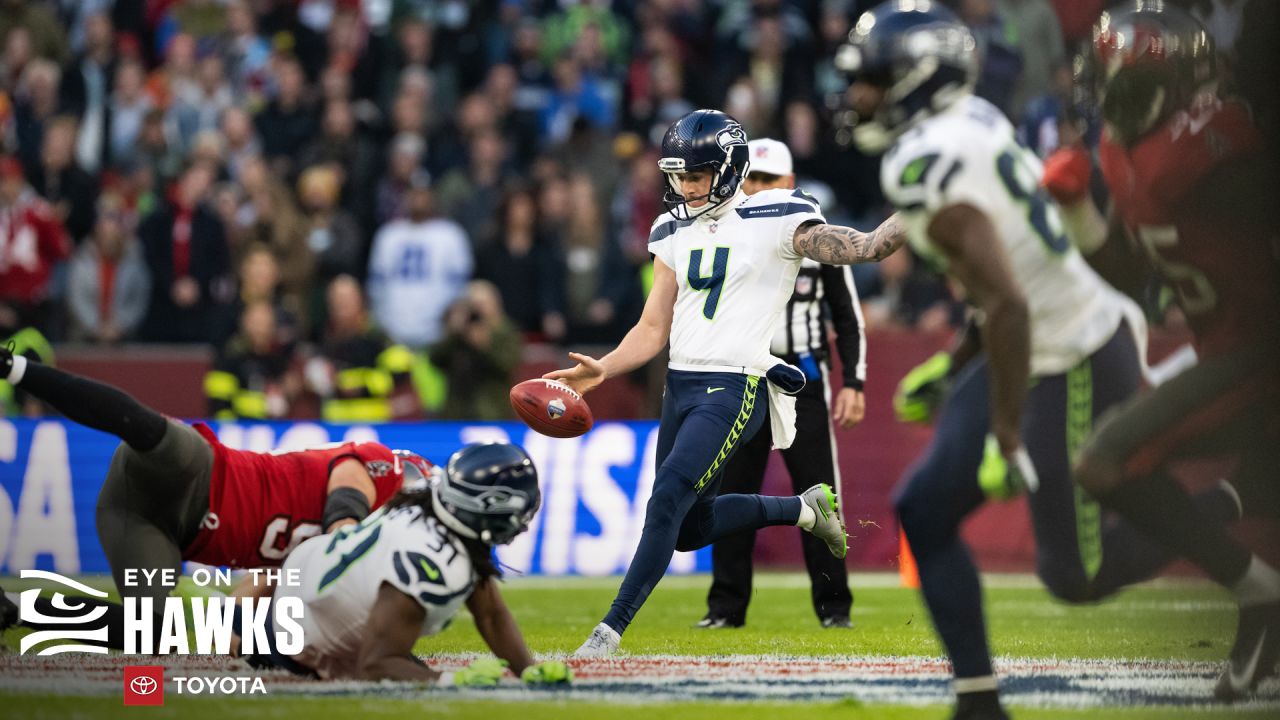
(480, 553)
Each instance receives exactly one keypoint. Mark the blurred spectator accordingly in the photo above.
(32, 241)
(470, 194)
(421, 262)
(777, 68)
(241, 139)
(575, 96)
(245, 52)
(35, 106)
(127, 108)
(526, 266)
(333, 235)
(595, 274)
(107, 284)
(86, 86)
(405, 160)
(513, 118)
(289, 120)
(1039, 40)
(478, 355)
(270, 218)
(258, 282)
(253, 377)
(46, 36)
(154, 150)
(359, 374)
(588, 18)
(998, 49)
(187, 257)
(341, 145)
(58, 179)
(202, 105)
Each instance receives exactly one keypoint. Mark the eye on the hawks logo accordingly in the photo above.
(80, 621)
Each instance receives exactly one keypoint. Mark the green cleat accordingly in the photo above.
(829, 525)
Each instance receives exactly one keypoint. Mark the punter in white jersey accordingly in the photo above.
(372, 589)
(1058, 346)
(724, 266)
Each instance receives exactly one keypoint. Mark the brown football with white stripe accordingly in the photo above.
(551, 408)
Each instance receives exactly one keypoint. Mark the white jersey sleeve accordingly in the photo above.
(787, 210)
(661, 242)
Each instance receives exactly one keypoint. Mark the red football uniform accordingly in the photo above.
(262, 505)
(32, 241)
(1220, 263)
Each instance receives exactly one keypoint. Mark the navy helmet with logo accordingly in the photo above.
(919, 53)
(703, 140)
(487, 492)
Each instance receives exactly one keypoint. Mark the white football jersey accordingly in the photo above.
(342, 572)
(735, 273)
(968, 155)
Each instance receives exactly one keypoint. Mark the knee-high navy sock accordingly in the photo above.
(951, 588)
(1160, 507)
(96, 405)
(734, 513)
(672, 497)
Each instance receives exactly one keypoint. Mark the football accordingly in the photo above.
(551, 408)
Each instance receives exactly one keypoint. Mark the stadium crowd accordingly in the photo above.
(335, 194)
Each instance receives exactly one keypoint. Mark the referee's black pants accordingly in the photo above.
(810, 460)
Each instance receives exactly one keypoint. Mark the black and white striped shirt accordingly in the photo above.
(803, 329)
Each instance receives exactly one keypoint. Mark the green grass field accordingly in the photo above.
(1175, 620)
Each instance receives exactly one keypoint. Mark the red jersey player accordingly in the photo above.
(173, 492)
(1190, 186)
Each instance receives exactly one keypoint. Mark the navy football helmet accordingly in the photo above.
(1149, 60)
(703, 140)
(919, 53)
(487, 492)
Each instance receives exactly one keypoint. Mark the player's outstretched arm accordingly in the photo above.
(976, 258)
(387, 651)
(840, 245)
(350, 495)
(639, 346)
(497, 626)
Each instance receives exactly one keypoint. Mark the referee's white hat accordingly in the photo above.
(769, 156)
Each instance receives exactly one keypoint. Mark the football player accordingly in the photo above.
(1057, 345)
(173, 492)
(725, 265)
(1193, 192)
(372, 589)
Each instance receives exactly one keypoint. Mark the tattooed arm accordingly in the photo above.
(839, 245)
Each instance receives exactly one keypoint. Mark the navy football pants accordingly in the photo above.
(706, 417)
(1082, 554)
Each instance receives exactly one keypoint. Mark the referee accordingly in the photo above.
(802, 341)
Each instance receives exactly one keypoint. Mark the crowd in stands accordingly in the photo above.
(314, 187)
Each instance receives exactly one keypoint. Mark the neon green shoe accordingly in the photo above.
(829, 525)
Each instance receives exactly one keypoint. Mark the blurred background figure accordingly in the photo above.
(32, 242)
(358, 373)
(418, 266)
(254, 376)
(477, 356)
(107, 284)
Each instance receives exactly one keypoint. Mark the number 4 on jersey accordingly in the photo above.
(713, 283)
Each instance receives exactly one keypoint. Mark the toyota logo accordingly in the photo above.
(143, 685)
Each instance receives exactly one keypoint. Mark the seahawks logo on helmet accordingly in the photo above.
(731, 136)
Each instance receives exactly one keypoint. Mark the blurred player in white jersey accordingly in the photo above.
(1058, 346)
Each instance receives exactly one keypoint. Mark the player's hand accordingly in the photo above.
(485, 672)
(583, 377)
(921, 391)
(1006, 475)
(1066, 174)
(849, 408)
(551, 672)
